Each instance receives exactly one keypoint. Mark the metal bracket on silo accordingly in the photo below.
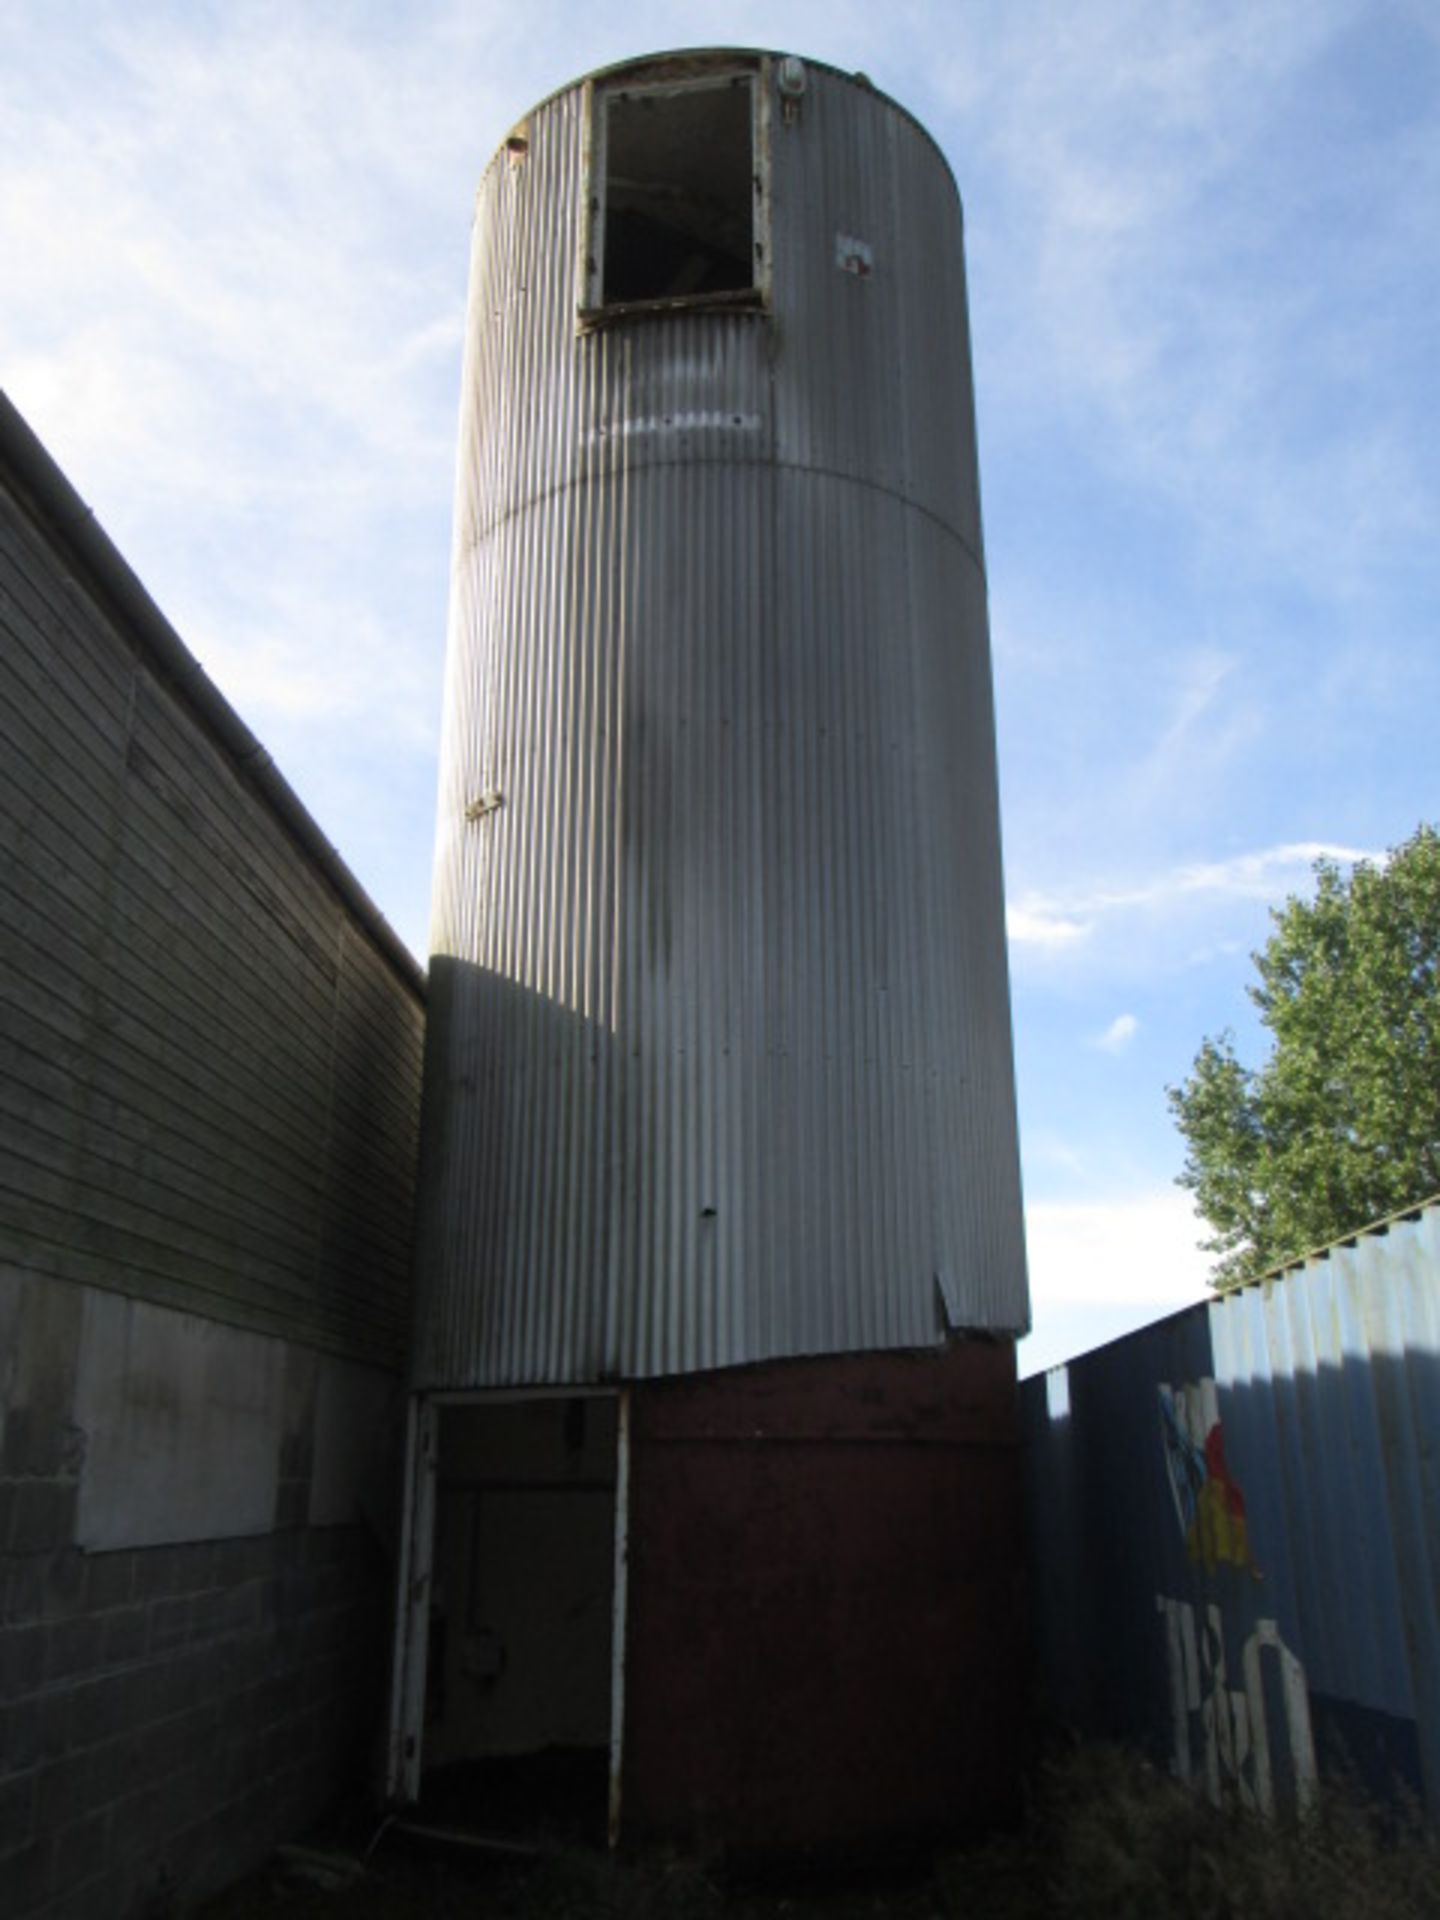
(790, 81)
(489, 802)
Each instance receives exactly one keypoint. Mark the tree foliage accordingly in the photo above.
(1341, 1125)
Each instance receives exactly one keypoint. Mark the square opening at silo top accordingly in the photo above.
(677, 201)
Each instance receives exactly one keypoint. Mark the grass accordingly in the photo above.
(1110, 1838)
(1106, 1837)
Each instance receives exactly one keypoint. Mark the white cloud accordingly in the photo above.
(1102, 1268)
(1118, 1035)
(1158, 177)
(1059, 920)
(331, 664)
(1034, 922)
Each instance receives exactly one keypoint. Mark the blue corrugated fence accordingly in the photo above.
(1234, 1523)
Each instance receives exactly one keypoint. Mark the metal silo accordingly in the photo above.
(718, 1066)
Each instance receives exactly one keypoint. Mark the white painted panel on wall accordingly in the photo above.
(182, 1423)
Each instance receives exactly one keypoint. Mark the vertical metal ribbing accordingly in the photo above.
(722, 1067)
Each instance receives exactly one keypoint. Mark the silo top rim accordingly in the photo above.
(718, 56)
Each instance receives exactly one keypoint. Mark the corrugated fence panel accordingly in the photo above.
(1251, 1488)
(719, 1057)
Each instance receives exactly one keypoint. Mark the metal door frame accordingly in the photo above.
(415, 1574)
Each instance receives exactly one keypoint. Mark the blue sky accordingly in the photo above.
(1204, 253)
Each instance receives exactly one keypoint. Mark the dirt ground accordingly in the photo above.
(407, 1879)
(1106, 1837)
(541, 1855)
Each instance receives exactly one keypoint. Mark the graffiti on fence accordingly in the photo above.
(1237, 1746)
(1222, 1733)
(1208, 1502)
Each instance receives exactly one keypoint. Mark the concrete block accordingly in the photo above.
(140, 1821)
(192, 1792)
(22, 1661)
(13, 1285)
(34, 1730)
(240, 1609)
(241, 1761)
(270, 1700)
(181, 1569)
(176, 1744)
(42, 1515)
(63, 1578)
(171, 1624)
(127, 1633)
(102, 1709)
(248, 1661)
(25, 1877)
(18, 1725)
(64, 1789)
(237, 1560)
(18, 1450)
(75, 1647)
(282, 1746)
(209, 1613)
(96, 1898)
(109, 1580)
(22, 1588)
(41, 1442)
(40, 1321)
(183, 1419)
(18, 1801)
(112, 1769)
(158, 1750)
(81, 1852)
(181, 1682)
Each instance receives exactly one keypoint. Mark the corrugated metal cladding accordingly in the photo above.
(1235, 1524)
(719, 1045)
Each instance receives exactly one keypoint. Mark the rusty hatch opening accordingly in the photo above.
(677, 192)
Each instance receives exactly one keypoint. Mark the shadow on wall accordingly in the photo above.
(630, 1194)
(511, 1224)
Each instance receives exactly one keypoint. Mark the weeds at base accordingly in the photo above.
(1106, 1837)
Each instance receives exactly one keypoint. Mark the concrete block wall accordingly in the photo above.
(169, 1711)
(174, 1711)
(209, 1110)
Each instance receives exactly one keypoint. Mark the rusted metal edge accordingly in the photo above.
(750, 300)
(104, 573)
(686, 62)
(1297, 1260)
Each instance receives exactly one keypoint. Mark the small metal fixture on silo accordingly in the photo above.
(720, 1170)
(490, 801)
(790, 80)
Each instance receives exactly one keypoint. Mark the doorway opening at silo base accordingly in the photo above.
(503, 1722)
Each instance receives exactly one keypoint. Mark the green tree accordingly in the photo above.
(1341, 1125)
